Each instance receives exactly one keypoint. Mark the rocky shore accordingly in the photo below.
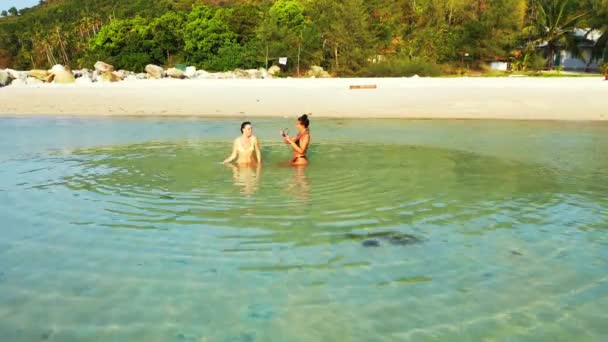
(106, 73)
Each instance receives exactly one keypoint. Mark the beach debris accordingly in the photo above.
(5, 78)
(364, 86)
(103, 67)
(317, 72)
(154, 71)
(141, 76)
(63, 77)
(175, 73)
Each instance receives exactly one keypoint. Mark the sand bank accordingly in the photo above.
(457, 98)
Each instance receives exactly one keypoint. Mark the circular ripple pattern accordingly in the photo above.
(369, 240)
(348, 189)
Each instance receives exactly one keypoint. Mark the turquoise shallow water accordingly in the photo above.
(130, 229)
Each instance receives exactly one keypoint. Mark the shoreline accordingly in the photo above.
(514, 98)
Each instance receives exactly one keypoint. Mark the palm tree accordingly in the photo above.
(600, 50)
(599, 22)
(554, 21)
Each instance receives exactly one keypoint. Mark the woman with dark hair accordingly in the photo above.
(244, 147)
(300, 142)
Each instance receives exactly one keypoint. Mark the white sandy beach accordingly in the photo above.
(514, 98)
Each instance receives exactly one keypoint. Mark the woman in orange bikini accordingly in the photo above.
(300, 142)
(244, 147)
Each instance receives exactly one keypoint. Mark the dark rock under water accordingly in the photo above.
(371, 243)
(377, 239)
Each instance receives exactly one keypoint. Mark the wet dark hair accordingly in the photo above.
(244, 124)
(304, 120)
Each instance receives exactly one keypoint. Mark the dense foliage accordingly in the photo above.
(347, 37)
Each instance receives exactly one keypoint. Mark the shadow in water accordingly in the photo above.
(246, 176)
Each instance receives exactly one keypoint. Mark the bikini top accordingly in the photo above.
(299, 137)
(251, 145)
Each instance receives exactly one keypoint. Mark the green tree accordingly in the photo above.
(552, 23)
(343, 30)
(206, 34)
(244, 21)
(13, 11)
(343, 36)
(127, 44)
(599, 21)
(4, 13)
(491, 30)
(281, 31)
(168, 34)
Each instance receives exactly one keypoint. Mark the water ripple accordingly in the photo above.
(372, 239)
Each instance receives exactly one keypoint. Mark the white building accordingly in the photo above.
(584, 61)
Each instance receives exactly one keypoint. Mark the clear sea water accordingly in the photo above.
(129, 229)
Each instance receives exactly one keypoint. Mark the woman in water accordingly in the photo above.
(244, 147)
(300, 142)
